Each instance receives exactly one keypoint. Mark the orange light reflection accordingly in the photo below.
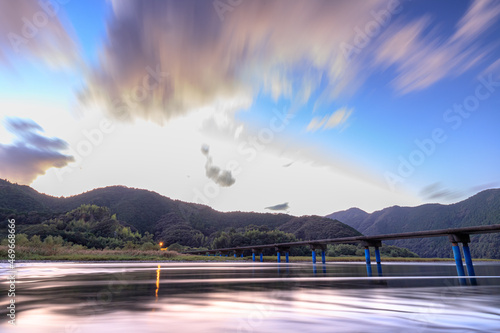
(157, 282)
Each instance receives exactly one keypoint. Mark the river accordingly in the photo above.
(247, 297)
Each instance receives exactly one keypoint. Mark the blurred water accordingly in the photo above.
(247, 297)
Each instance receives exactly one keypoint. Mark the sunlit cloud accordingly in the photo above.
(333, 120)
(163, 59)
(34, 29)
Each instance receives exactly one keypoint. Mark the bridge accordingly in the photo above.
(455, 236)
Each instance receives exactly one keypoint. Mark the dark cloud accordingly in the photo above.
(223, 178)
(437, 191)
(283, 206)
(482, 187)
(31, 154)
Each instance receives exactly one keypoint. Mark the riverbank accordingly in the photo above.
(191, 258)
(63, 254)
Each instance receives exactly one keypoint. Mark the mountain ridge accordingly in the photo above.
(147, 211)
(482, 208)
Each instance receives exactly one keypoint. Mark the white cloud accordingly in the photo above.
(479, 17)
(422, 58)
(333, 120)
(493, 69)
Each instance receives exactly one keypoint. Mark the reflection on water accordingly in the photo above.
(247, 297)
(157, 282)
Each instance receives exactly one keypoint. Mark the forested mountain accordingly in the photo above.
(315, 227)
(480, 209)
(88, 225)
(170, 221)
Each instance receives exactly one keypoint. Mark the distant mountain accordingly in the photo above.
(355, 216)
(175, 221)
(480, 209)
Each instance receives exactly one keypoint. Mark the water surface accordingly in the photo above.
(247, 297)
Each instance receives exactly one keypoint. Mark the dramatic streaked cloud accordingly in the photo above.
(31, 153)
(478, 18)
(283, 206)
(223, 178)
(333, 120)
(421, 58)
(165, 58)
(33, 29)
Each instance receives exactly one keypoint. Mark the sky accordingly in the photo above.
(305, 107)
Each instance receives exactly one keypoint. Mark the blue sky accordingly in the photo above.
(134, 90)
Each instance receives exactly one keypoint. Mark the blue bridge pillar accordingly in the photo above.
(235, 255)
(368, 261)
(376, 244)
(379, 261)
(318, 246)
(261, 257)
(280, 249)
(242, 254)
(468, 263)
(465, 240)
(458, 259)
(468, 260)
(256, 251)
